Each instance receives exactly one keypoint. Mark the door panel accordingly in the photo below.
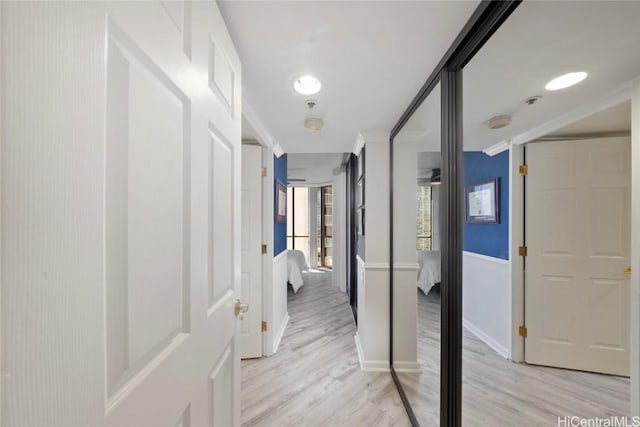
(577, 228)
(220, 197)
(125, 272)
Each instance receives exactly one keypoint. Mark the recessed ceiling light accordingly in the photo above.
(566, 80)
(307, 85)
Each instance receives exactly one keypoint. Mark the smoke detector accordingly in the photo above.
(532, 100)
(314, 124)
(498, 122)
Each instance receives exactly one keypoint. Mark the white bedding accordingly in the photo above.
(429, 271)
(296, 264)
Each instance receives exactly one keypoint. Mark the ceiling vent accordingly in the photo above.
(498, 122)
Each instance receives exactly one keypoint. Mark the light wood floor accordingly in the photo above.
(314, 379)
(497, 392)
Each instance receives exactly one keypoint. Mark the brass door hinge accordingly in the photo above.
(264, 249)
(264, 326)
(522, 331)
(522, 250)
(524, 170)
(264, 172)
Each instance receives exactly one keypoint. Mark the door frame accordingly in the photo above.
(629, 91)
(251, 143)
(270, 148)
(517, 157)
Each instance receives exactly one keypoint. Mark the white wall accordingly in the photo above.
(280, 316)
(372, 337)
(486, 300)
(635, 252)
(405, 266)
(340, 231)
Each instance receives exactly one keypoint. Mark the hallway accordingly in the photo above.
(314, 379)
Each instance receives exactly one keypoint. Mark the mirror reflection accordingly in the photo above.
(547, 326)
(421, 382)
(546, 227)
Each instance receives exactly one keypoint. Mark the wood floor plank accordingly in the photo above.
(497, 392)
(315, 379)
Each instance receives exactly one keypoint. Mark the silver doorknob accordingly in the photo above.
(240, 309)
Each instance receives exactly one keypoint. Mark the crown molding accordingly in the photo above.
(497, 148)
(262, 134)
(369, 137)
(620, 94)
(277, 150)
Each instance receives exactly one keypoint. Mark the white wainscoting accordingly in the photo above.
(280, 316)
(372, 338)
(486, 300)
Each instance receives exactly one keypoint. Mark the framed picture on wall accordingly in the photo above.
(281, 203)
(481, 202)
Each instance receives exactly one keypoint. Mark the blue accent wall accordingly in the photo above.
(488, 239)
(279, 230)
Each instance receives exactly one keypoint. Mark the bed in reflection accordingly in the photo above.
(429, 269)
(296, 264)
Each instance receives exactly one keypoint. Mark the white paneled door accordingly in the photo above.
(120, 214)
(577, 235)
(251, 249)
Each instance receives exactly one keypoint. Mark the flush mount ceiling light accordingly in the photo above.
(313, 124)
(307, 85)
(498, 122)
(566, 81)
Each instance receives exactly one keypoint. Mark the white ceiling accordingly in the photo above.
(315, 169)
(371, 57)
(540, 41)
(612, 120)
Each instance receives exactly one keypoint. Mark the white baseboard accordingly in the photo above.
(280, 333)
(413, 367)
(370, 365)
(501, 350)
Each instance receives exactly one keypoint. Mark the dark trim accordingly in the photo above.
(404, 399)
(391, 258)
(484, 22)
(451, 204)
(353, 241)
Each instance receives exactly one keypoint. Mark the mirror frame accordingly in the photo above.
(482, 24)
